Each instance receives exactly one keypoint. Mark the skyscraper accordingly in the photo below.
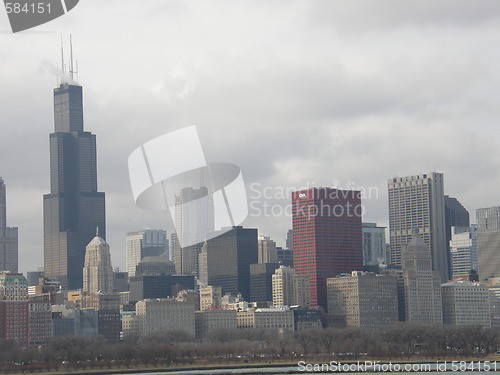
(455, 215)
(422, 284)
(194, 218)
(261, 281)
(463, 250)
(289, 289)
(97, 270)
(8, 236)
(374, 247)
(418, 202)
(267, 250)
(326, 236)
(225, 260)
(488, 242)
(74, 208)
(144, 243)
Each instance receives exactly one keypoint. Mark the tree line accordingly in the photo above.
(398, 341)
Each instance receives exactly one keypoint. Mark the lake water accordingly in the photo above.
(361, 368)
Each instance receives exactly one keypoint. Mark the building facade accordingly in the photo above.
(493, 286)
(8, 236)
(210, 321)
(466, 304)
(194, 220)
(455, 215)
(290, 289)
(418, 202)
(422, 284)
(463, 250)
(488, 242)
(14, 323)
(281, 319)
(261, 281)
(155, 266)
(267, 250)
(225, 260)
(210, 297)
(142, 287)
(327, 236)
(144, 243)
(74, 208)
(39, 319)
(107, 307)
(157, 315)
(307, 318)
(362, 299)
(97, 269)
(284, 256)
(374, 246)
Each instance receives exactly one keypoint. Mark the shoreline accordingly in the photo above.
(292, 367)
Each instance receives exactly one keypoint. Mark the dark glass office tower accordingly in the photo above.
(225, 260)
(74, 208)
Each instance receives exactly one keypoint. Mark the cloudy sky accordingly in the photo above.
(297, 93)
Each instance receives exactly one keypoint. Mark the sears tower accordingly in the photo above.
(74, 208)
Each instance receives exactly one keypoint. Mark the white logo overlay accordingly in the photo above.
(170, 173)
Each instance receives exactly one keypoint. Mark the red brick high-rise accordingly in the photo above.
(327, 236)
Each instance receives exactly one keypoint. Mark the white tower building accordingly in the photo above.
(97, 269)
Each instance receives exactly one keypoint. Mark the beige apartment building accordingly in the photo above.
(290, 289)
(210, 296)
(466, 303)
(280, 318)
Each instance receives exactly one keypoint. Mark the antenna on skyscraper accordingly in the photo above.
(60, 78)
(62, 54)
(71, 71)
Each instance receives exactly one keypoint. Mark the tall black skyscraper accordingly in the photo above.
(74, 208)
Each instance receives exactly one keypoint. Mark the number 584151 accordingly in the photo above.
(18, 8)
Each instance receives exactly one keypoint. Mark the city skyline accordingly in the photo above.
(304, 100)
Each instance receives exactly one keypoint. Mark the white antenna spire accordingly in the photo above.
(62, 54)
(71, 71)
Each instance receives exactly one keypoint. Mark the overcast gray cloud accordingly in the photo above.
(297, 93)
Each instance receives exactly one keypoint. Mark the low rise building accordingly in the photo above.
(165, 314)
(14, 308)
(306, 318)
(108, 310)
(210, 296)
(281, 318)
(209, 321)
(466, 303)
(39, 319)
